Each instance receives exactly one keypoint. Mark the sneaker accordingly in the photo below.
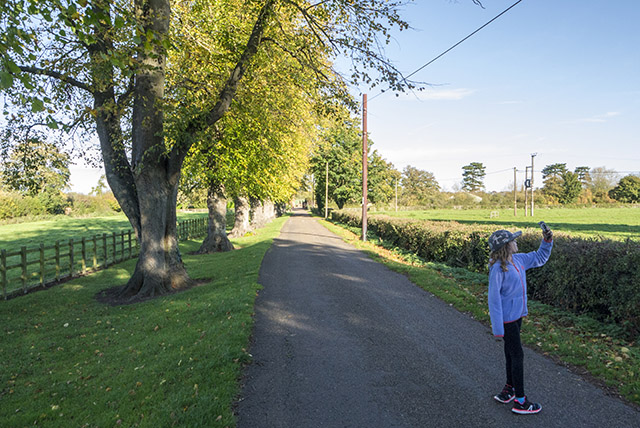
(507, 395)
(528, 408)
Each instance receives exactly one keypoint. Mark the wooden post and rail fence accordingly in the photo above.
(26, 268)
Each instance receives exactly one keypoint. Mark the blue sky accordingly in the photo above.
(558, 78)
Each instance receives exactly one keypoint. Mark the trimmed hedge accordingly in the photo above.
(594, 276)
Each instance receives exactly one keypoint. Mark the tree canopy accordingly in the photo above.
(151, 77)
(418, 186)
(36, 166)
(627, 190)
(473, 177)
(571, 188)
(341, 149)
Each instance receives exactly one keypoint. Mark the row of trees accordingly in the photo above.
(341, 153)
(239, 87)
(586, 185)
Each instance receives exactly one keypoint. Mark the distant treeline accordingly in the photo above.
(14, 205)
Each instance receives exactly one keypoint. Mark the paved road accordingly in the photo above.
(341, 341)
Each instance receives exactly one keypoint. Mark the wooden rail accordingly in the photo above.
(26, 268)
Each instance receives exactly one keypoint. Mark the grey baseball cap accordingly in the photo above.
(499, 238)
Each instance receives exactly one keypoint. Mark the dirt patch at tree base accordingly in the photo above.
(113, 297)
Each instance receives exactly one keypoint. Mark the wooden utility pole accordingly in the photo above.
(326, 192)
(533, 155)
(365, 153)
(526, 190)
(515, 195)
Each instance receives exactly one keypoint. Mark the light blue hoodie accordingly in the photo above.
(508, 290)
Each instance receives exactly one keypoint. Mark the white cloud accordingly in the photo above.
(599, 118)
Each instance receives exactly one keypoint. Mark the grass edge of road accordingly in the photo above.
(585, 346)
(176, 360)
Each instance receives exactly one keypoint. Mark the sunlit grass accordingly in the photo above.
(67, 360)
(30, 234)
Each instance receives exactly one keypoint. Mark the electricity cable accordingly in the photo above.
(454, 46)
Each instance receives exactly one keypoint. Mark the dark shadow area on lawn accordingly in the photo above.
(112, 297)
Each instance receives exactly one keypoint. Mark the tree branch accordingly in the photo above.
(230, 88)
(56, 75)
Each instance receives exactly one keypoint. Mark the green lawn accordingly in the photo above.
(67, 360)
(88, 255)
(30, 234)
(617, 223)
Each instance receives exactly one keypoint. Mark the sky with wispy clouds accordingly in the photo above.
(560, 78)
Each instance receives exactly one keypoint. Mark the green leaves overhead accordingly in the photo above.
(6, 80)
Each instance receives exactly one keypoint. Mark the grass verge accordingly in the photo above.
(67, 360)
(595, 350)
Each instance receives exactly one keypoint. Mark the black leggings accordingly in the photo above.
(515, 356)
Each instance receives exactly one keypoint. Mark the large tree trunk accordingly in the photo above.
(159, 269)
(216, 240)
(241, 223)
(147, 187)
(262, 212)
(257, 217)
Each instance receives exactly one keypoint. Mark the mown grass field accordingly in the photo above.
(113, 240)
(615, 223)
(68, 360)
(30, 234)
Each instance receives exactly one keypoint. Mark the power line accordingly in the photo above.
(498, 172)
(454, 46)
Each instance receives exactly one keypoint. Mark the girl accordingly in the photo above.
(508, 304)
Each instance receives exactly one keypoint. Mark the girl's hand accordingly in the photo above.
(547, 234)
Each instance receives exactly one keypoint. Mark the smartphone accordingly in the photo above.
(544, 227)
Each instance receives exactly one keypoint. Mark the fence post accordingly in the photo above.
(129, 241)
(84, 254)
(3, 269)
(122, 245)
(71, 258)
(95, 253)
(23, 262)
(104, 249)
(113, 241)
(41, 264)
(57, 247)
